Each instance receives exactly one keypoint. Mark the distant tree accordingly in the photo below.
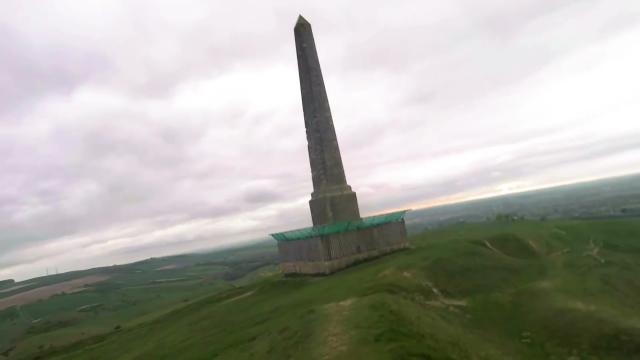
(503, 217)
(506, 217)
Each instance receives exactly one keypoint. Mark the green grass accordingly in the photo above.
(134, 293)
(521, 290)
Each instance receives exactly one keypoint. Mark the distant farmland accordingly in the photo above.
(45, 292)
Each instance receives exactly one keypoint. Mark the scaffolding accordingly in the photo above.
(340, 227)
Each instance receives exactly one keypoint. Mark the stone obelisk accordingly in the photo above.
(325, 249)
(332, 199)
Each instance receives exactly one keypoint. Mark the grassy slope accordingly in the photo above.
(481, 291)
(134, 293)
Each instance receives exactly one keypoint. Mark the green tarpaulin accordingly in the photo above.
(339, 227)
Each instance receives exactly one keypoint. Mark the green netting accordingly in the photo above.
(339, 227)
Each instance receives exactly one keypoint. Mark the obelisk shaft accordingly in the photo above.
(332, 199)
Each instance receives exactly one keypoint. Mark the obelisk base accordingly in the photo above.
(332, 208)
(323, 255)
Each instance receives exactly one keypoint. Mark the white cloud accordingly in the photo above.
(132, 129)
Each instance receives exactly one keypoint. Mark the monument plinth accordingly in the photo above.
(339, 237)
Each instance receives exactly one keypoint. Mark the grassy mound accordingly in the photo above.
(512, 245)
(556, 289)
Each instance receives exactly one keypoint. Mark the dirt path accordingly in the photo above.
(441, 299)
(560, 252)
(167, 267)
(335, 335)
(593, 251)
(238, 297)
(15, 288)
(486, 242)
(560, 231)
(47, 291)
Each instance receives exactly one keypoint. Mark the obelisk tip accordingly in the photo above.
(301, 21)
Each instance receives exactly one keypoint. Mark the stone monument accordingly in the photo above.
(339, 236)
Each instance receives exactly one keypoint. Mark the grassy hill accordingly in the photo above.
(499, 290)
(124, 296)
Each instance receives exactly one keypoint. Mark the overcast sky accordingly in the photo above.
(131, 129)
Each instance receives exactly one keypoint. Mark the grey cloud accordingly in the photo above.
(155, 117)
(31, 70)
(259, 196)
(523, 165)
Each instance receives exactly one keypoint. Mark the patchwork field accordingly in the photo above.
(500, 290)
(54, 311)
(47, 291)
